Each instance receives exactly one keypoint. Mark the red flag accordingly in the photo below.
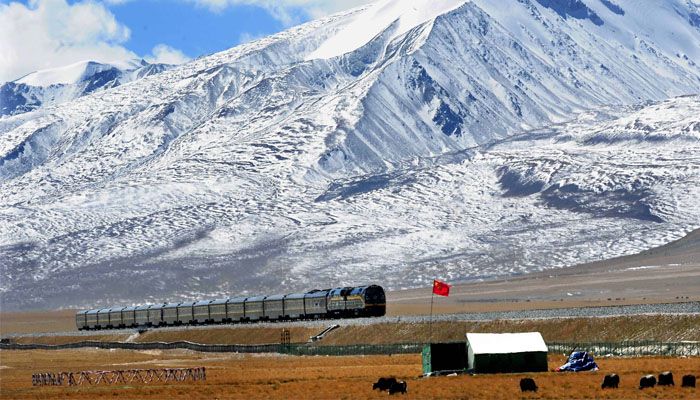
(441, 288)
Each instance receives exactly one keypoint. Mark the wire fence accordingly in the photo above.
(350, 350)
(629, 348)
(635, 348)
(212, 348)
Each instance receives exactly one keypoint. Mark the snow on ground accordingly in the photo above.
(72, 74)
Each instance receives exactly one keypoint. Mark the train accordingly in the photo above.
(343, 302)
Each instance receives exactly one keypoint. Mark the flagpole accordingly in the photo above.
(431, 315)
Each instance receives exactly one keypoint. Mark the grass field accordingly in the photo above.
(235, 376)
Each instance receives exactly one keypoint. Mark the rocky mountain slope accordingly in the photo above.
(394, 143)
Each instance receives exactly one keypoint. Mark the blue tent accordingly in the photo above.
(579, 361)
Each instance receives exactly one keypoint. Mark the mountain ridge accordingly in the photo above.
(489, 140)
(46, 88)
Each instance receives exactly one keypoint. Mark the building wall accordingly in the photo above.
(510, 362)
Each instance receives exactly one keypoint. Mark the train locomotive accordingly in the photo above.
(345, 302)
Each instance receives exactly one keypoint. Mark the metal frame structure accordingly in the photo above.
(128, 376)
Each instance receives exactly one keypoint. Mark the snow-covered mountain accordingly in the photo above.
(55, 86)
(394, 143)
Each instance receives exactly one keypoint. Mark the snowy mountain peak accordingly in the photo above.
(55, 86)
(358, 29)
(77, 72)
(468, 139)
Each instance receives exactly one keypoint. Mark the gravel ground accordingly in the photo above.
(575, 312)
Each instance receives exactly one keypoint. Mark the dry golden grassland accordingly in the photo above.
(236, 376)
(613, 329)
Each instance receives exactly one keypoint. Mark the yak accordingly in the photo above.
(397, 387)
(610, 381)
(647, 381)
(384, 384)
(688, 381)
(528, 384)
(666, 379)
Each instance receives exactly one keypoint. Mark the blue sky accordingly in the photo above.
(42, 34)
(194, 30)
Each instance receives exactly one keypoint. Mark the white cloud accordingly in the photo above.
(52, 33)
(167, 55)
(283, 10)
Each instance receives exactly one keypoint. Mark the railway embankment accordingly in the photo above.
(666, 322)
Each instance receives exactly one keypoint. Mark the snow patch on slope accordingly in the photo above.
(74, 73)
(369, 21)
(42, 89)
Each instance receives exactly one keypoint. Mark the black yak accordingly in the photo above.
(610, 381)
(688, 381)
(397, 387)
(666, 378)
(384, 383)
(528, 384)
(647, 381)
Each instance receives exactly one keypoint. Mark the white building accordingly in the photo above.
(506, 352)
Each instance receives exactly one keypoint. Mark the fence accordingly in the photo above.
(214, 348)
(629, 348)
(292, 349)
(599, 349)
(354, 349)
